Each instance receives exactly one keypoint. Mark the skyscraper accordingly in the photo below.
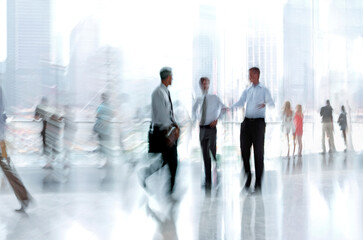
(28, 47)
(263, 47)
(205, 48)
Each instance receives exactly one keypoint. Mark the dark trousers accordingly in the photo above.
(208, 138)
(170, 158)
(43, 133)
(253, 133)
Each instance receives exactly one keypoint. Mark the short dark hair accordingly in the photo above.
(104, 96)
(165, 72)
(256, 70)
(327, 102)
(202, 79)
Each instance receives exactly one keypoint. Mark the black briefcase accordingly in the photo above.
(156, 140)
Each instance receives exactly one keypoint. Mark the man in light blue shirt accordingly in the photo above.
(255, 97)
(211, 109)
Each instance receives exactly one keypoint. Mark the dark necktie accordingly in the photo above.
(171, 107)
(204, 111)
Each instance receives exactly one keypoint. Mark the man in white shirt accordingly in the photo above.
(162, 117)
(253, 126)
(210, 108)
(326, 113)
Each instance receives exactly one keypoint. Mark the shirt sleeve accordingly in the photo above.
(222, 108)
(241, 101)
(195, 108)
(268, 99)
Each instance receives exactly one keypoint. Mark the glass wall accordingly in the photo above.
(308, 51)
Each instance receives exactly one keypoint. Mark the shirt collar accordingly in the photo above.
(258, 85)
(164, 87)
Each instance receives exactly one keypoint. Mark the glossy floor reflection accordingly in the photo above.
(313, 197)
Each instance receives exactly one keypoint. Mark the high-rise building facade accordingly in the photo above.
(28, 47)
(263, 47)
(205, 48)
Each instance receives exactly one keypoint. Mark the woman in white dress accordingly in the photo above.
(287, 126)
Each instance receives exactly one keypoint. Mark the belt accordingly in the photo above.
(254, 119)
(206, 126)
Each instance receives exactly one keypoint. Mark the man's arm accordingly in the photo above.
(222, 110)
(194, 109)
(241, 102)
(268, 99)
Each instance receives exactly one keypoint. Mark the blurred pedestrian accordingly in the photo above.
(165, 127)
(70, 129)
(7, 166)
(41, 113)
(342, 121)
(287, 125)
(326, 113)
(298, 121)
(102, 128)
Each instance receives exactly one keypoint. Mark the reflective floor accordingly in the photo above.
(313, 197)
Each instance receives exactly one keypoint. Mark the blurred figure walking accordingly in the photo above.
(7, 166)
(287, 125)
(326, 113)
(41, 113)
(342, 120)
(102, 128)
(70, 129)
(165, 129)
(298, 121)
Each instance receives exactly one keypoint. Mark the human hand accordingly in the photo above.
(262, 105)
(172, 136)
(213, 124)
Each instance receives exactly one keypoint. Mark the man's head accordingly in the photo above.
(204, 84)
(254, 75)
(166, 76)
(328, 102)
(44, 101)
(104, 97)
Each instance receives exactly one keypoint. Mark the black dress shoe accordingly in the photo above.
(258, 187)
(248, 182)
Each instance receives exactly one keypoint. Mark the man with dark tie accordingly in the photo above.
(162, 118)
(255, 97)
(210, 109)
